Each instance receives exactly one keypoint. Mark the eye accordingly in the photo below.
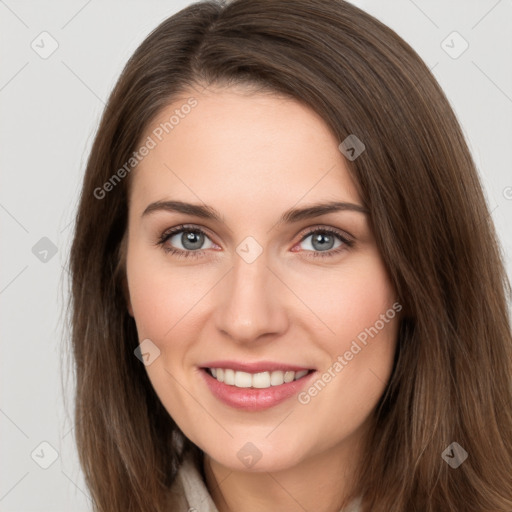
(184, 241)
(323, 240)
(187, 241)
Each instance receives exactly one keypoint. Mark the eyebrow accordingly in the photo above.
(289, 216)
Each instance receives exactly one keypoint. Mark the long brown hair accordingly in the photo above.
(451, 380)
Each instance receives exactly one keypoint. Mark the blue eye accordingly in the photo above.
(323, 240)
(192, 239)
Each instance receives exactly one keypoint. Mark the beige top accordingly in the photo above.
(190, 494)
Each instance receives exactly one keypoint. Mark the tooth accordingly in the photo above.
(243, 380)
(289, 376)
(261, 380)
(276, 378)
(229, 376)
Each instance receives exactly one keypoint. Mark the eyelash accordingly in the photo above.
(195, 254)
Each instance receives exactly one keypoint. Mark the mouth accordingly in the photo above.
(257, 380)
(254, 391)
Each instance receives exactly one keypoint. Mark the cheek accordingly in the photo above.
(163, 302)
(150, 303)
(160, 295)
(358, 304)
(349, 299)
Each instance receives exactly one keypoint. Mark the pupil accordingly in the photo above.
(323, 240)
(192, 240)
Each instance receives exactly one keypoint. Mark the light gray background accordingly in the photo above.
(49, 113)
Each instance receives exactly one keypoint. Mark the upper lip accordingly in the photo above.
(256, 367)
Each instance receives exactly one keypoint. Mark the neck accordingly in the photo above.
(322, 482)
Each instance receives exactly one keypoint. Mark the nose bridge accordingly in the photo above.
(249, 305)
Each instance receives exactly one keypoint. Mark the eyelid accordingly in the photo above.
(323, 227)
(169, 233)
(184, 227)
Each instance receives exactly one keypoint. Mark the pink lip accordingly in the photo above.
(260, 366)
(253, 399)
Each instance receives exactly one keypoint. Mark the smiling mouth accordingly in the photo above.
(259, 380)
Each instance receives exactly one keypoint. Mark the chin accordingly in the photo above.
(252, 457)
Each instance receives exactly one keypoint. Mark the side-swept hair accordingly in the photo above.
(451, 380)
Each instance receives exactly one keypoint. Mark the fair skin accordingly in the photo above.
(252, 157)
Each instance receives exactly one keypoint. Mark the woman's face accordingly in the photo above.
(257, 284)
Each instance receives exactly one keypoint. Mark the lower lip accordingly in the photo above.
(254, 399)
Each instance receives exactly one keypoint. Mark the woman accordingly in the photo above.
(287, 288)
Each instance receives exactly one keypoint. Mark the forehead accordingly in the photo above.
(236, 149)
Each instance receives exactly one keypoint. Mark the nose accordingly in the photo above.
(250, 302)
